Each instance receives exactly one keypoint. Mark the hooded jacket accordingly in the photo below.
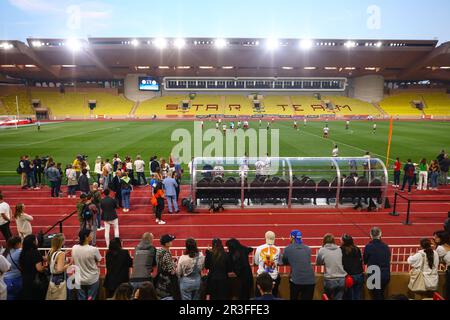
(330, 256)
(143, 262)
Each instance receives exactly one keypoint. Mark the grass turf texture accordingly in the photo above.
(63, 141)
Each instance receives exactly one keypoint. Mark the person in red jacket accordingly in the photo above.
(158, 202)
(397, 170)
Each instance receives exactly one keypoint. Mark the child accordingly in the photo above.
(158, 203)
(23, 221)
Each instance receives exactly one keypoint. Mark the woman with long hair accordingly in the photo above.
(441, 240)
(118, 264)
(146, 291)
(32, 266)
(434, 169)
(58, 266)
(123, 292)
(353, 265)
(13, 277)
(425, 261)
(22, 221)
(241, 267)
(189, 268)
(218, 263)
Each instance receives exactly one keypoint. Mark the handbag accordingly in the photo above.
(56, 291)
(417, 278)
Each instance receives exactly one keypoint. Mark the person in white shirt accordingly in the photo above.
(224, 128)
(23, 221)
(5, 218)
(86, 259)
(304, 122)
(427, 262)
(347, 125)
(259, 168)
(442, 243)
(218, 170)
(374, 128)
(4, 267)
(245, 124)
(326, 130)
(189, 268)
(267, 258)
(139, 164)
(239, 124)
(335, 152)
(98, 168)
(217, 125)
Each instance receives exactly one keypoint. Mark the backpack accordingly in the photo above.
(19, 169)
(86, 213)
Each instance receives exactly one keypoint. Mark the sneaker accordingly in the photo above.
(157, 220)
(178, 211)
(101, 229)
(162, 222)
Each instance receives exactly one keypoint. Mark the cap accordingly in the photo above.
(270, 237)
(297, 236)
(166, 238)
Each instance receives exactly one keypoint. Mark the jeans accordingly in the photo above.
(334, 288)
(88, 292)
(106, 181)
(140, 175)
(115, 224)
(71, 190)
(98, 178)
(14, 288)
(408, 180)
(396, 178)
(189, 287)
(444, 178)
(126, 198)
(171, 199)
(55, 185)
(30, 179)
(355, 292)
(434, 179)
(306, 291)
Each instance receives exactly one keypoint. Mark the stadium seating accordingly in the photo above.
(9, 104)
(76, 104)
(238, 105)
(436, 104)
(401, 104)
(166, 105)
(348, 106)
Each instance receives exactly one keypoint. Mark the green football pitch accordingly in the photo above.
(63, 141)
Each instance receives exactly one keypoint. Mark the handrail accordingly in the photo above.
(60, 223)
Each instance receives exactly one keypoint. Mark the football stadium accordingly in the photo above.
(222, 167)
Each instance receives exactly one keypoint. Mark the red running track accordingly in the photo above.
(248, 226)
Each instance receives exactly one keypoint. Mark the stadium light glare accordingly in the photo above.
(69, 66)
(8, 66)
(183, 67)
(160, 43)
(445, 67)
(134, 42)
(179, 43)
(350, 44)
(288, 68)
(206, 67)
(272, 43)
(30, 66)
(220, 43)
(37, 44)
(74, 45)
(310, 68)
(330, 68)
(164, 67)
(6, 46)
(306, 44)
(227, 67)
(143, 67)
(379, 44)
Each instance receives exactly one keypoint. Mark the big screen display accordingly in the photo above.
(148, 84)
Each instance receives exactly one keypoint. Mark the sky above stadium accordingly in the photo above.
(345, 19)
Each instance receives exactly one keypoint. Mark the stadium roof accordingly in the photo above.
(113, 58)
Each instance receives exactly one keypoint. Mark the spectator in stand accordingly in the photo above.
(129, 169)
(397, 171)
(302, 279)
(144, 261)
(72, 182)
(106, 174)
(241, 267)
(139, 164)
(166, 280)
(23, 221)
(124, 292)
(53, 176)
(218, 263)
(28, 168)
(146, 292)
(76, 165)
(440, 156)
(96, 196)
(157, 202)
(118, 264)
(264, 285)
(38, 170)
(116, 162)
(31, 265)
(154, 165)
(21, 171)
(170, 185)
(423, 175)
(125, 189)
(267, 258)
(58, 265)
(353, 266)
(442, 244)
(378, 254)
(59, 183)
(13, 277)
(408, 175)
(426, 261)
(4, 266)
(116, 186)
(5, 218)
(89, 217)
(86, 258)
(83, 182)
(164, 168)
(81, 207)
(330, 256)
(98, 168)
(189, 268)
(444, 165)
(178, 173)
(434, 170)
(109, 215)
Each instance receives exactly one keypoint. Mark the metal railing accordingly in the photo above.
(399, 257)
(60, 223)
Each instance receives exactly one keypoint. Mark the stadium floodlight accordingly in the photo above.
(310, 68)
(227, 67)
(272, 43)
(134, 42)
(220, 43)
(206, 67)
(350, 44)
(445, 67)
(6, 46)
(306, 44)
(183, 67)
(179, 43)
(288, 68)
(30, 66)
(330, 68)
(160, 43)
(36, 43)
(379, 44)
(68, 66)
(74, 45)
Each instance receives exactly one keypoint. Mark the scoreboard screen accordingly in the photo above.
(148, 84)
